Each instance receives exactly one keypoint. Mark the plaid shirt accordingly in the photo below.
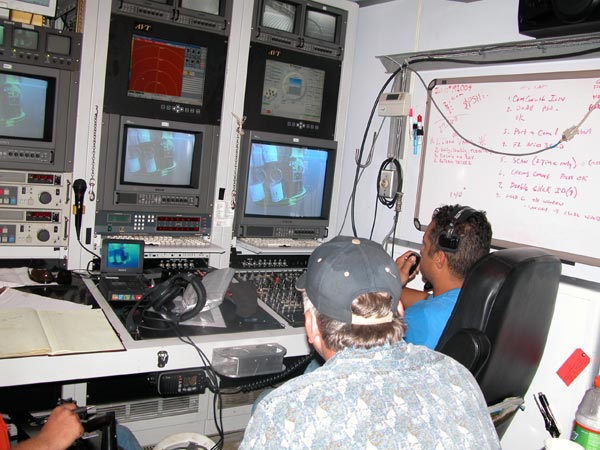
(393, 397)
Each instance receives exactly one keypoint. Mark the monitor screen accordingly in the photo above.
(292, 91)
(43, 7)
(206, 6)
(26, 106)
(286, 180)
(320, 25)
(1, 35)
(122, 256)
(26, 39)
(167, 70)
(279, 15)
(158, 157)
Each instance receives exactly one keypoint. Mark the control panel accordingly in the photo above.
(34, 190)
(181, 382)
(33, 227)
(152, 223)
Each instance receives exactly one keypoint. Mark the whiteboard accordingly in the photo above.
(549, 200)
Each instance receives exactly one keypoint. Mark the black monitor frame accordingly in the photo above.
(252, 225)
(51, 55)
(116, 99)
(298, 39)
(117, 196)
(255, 120)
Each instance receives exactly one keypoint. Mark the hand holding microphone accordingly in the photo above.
(79, 187)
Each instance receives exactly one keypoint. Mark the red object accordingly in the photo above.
(573, 366)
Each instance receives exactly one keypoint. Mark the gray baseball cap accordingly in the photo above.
(344, 268)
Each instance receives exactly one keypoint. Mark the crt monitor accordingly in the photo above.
(160, 70)
(291, 92)
(285, 186)
(37, 110)
(156, 166)
(43, 7)
(122, 256)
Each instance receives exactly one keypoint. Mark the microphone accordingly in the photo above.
(79, 187)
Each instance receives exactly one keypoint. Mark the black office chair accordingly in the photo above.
(499, 326)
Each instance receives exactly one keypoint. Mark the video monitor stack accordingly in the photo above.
(164, 89)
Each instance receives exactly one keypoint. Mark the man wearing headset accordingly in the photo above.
(374, 390)
(457, 237)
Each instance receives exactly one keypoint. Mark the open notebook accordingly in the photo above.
(121, 270)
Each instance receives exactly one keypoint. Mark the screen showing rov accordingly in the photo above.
(122, 255)
(292, 91)
(158, 157)
(286, 181)
(23, 107)
(279, 15)
(168, 71)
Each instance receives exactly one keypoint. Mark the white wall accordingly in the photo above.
(404, 26)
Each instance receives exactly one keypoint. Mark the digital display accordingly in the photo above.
(1, 35)
(292, 91)
(158, 157)
(26, 39)
(166, 70)
(279, 15)
(286, 181)
(206, 6)
(61, 45)
(26, 110)
(123, 256)
(320, 25)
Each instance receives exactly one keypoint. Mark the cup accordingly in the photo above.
(561, 444)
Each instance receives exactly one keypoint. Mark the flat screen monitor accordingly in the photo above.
(279, 15)
(321, 25)
(43, 7)
(291, 92)
(158, 157)
(167, 70)
(205, 6)
(159, 70)
(285, 185)
(26, 106)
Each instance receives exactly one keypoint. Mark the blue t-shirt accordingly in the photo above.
(427, 319)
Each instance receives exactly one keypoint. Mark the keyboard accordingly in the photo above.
(278, 245)
(167, 244)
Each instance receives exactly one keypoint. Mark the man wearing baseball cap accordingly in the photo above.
(374, 391)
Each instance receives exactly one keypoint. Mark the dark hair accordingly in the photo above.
(339, 335)
(475, 236)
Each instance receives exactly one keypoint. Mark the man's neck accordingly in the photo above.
(443, 286)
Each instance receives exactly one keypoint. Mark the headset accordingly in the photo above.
(161, 298)
(448, 240)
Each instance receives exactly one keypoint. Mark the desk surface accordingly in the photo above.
(141, 356)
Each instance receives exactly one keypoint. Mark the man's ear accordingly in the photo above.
(440, 259)
(310, 325)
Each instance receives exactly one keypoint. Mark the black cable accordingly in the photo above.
(362, 146)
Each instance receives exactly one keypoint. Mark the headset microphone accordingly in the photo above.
(79, 187)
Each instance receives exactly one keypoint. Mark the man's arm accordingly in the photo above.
(58, 433)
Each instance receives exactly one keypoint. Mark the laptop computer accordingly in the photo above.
(121, 270)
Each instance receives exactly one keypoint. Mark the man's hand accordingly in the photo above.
(404, 263)
(59, 432)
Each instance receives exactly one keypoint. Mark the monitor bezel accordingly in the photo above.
(111, 160)
(260, 12)
(255, 120)
(116, 98)
(244, 222)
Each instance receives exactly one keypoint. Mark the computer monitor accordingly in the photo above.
(43, 7)
(163, 171)
(160, 70)
(302, 25)
(285, 186)
(291, 92)
(122, 256)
